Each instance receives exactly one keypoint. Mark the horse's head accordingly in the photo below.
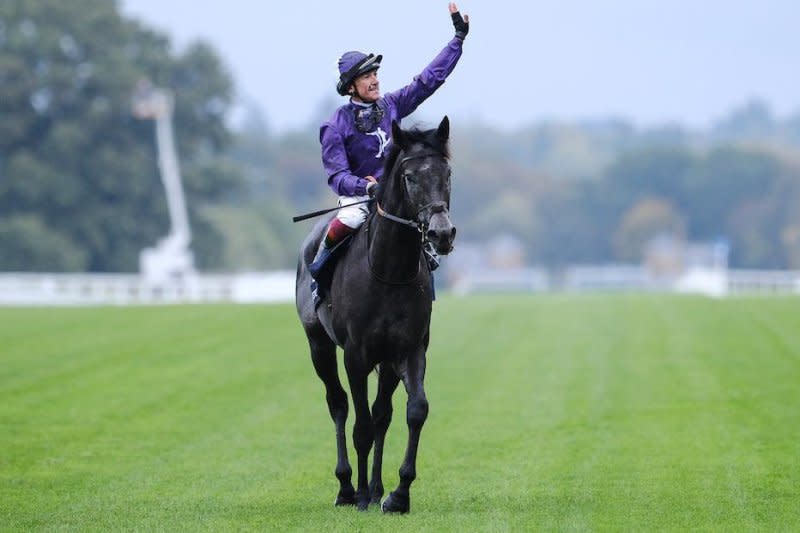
(420, 167)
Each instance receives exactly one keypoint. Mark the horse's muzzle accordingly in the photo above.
(441, 232)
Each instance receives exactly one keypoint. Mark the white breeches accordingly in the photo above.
(353, 215)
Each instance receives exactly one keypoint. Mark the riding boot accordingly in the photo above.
(334, 234)
(323, 253)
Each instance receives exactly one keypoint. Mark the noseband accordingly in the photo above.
(438, 206)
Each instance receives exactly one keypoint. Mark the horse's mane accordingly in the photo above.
(427, 138)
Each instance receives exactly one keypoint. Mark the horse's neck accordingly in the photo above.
(394, 248)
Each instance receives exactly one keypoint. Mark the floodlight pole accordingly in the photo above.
(171, 258)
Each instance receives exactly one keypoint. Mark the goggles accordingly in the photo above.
(368, 118)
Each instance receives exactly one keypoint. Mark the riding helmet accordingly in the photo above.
(352, 65)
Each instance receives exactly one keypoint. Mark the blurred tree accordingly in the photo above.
(259, 236)
(71, 154)
(790, 238)
(723, 181)
(298, 164)
(752, 120)
(754, 229)
(28, 245)
(645, 220)
(651, 172)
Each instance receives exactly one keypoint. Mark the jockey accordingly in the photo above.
(355, 140)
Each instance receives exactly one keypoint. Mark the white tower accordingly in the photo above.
(171, 258)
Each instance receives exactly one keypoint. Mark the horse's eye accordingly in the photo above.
(410, 177)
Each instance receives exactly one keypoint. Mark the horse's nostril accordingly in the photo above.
(444, 234)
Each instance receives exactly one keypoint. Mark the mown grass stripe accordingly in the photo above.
(567, 412)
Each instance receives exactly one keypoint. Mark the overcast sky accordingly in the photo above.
(648, 61)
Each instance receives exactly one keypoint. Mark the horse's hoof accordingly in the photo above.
(363, 505)
(396, 504)
(345, 497)
(375, 493)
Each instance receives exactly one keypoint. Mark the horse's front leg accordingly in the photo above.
(399, 501)
(362, 428)
(381, 418)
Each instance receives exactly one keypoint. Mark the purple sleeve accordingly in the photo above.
(334, 159)
(431, 78)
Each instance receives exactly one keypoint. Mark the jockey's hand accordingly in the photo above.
(460, 24)
(372, 186)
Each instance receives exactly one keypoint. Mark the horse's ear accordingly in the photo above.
(397, 135)
(443, 132)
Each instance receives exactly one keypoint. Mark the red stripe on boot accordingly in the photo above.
(337, 230)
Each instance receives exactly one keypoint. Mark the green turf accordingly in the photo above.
(548, 413)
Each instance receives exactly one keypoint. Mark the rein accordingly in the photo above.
(374, 274)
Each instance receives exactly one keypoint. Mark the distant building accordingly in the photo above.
(502, 252)
(667, 256)
(496, 265)
(506, 251)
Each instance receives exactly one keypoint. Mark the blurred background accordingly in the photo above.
(635, 145)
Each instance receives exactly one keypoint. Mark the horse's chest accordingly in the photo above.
(391, 331)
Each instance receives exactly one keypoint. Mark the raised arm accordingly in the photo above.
(433, 76)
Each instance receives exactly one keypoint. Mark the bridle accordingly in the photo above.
(422, 227)
(435, 207)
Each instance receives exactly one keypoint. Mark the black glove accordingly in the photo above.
(372, 189)
(462, 28)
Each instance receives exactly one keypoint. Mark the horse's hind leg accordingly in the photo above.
(399, 501)
(381, 418)
(323, 355)
(363, 432)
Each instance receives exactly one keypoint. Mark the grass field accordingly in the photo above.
(547, 413)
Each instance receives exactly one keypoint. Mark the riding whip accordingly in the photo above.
(298, 218)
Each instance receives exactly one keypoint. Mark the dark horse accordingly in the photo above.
(378, 309)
